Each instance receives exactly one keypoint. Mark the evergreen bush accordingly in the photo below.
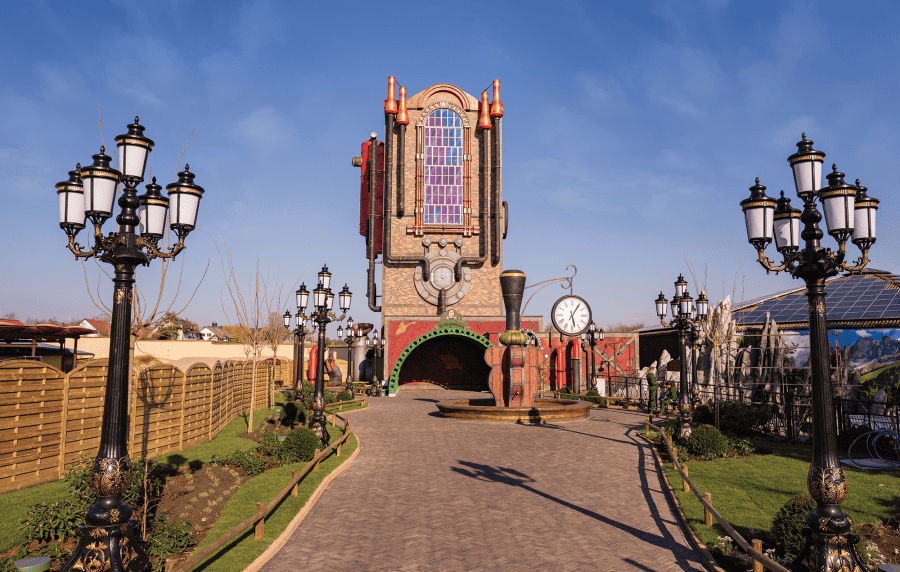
(788, 523)
(741, 418)
(704, 415)
(707, 443)
(344, 396)
(299, 446)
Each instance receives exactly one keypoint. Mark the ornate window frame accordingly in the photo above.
(466, 228)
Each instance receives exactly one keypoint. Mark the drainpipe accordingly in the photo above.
(402, 121)
(370, 231)
(388, 208)
(484, 123)
(496, 175)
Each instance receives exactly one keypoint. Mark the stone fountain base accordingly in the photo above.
(543, 411)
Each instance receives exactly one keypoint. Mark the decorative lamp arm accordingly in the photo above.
(153, 250)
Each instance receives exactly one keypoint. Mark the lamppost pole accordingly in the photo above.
(849, 211)
(591, 336)
(682, 310)
(299, 336)
(377, 344)
(108, 541)
(323, 301)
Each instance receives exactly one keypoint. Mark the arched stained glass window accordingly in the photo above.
(443, 168)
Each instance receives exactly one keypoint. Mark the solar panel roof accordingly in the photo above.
(858, 297)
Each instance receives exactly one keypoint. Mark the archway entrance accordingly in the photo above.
(451, 356)
(453, 362)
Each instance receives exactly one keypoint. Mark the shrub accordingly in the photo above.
(48, 521)
(166, 540)
(741, 418)
(788, 524)
(707, 443)
(250, 462)
(565, 391)
(269, 445)
(299, 445)
(330, 397)
(740, 446)
(292, 413)
(344, 396)
(704, 415)
(593, 393)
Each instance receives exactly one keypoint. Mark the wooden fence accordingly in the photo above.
(48, 419)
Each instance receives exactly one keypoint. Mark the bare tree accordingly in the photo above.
(252, 306)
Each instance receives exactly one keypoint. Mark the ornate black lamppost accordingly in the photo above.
(695, 338)
(323, 301)
(108, 541)
(592, 335)
(300, 333)
(682, 312)
(351, 337)
(849, 212)
(377, 344)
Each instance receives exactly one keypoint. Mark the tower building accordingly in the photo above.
(434, 218)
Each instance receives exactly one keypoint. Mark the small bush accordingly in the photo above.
(740, 446)
(741, 418)
(166, 540)
(707, 443)
(330, 397)
(300, 445)
(704, 415)
(250, 462)
(565, 391)
(269, 445)
(52, 521)
(292, 413)
(344, 396)
(788, 524)
(593, 393)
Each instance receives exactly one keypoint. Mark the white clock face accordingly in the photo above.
(571, 315)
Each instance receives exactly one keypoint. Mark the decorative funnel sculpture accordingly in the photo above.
(514, 378)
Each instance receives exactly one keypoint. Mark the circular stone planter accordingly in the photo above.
(544, 410)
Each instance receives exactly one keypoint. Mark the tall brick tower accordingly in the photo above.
(433, 214)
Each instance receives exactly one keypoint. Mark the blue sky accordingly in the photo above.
(632, 131)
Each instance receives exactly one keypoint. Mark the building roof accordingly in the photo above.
(99, 326)
(15, 330)
(218, 332)
(870, 299)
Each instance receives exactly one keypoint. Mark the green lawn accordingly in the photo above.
(244, 549)
(749, 491)
(12, 504)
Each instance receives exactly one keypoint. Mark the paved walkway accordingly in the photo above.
(433, 494)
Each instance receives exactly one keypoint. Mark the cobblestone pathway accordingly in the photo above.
(429, 493)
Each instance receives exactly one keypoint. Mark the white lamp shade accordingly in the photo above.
(133, 160)
(839, 212)
(680, 286)
(133, 151)
(184, 201)
(325, 277)
(319, 297)
(686, 305)
(807, 176)
(344, 298)
(302, 297)
(600, 334)
(864, 224)
(71, 202)
(99, 195)
(329, 300)
(340, 333)
(662, 306)
(184, 209)
(807, 166)
(787, 233)
(864, 218)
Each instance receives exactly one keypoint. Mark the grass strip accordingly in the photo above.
(243, 550)
(749, 491)
(14, 503)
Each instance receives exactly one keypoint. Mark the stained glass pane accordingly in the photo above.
(443, 168)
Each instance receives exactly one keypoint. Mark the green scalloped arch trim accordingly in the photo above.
(453, 330)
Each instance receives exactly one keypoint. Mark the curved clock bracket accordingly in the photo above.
(442, 263)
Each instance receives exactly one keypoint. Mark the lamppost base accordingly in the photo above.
(317, 426)
(111, 547)
(837, 550)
